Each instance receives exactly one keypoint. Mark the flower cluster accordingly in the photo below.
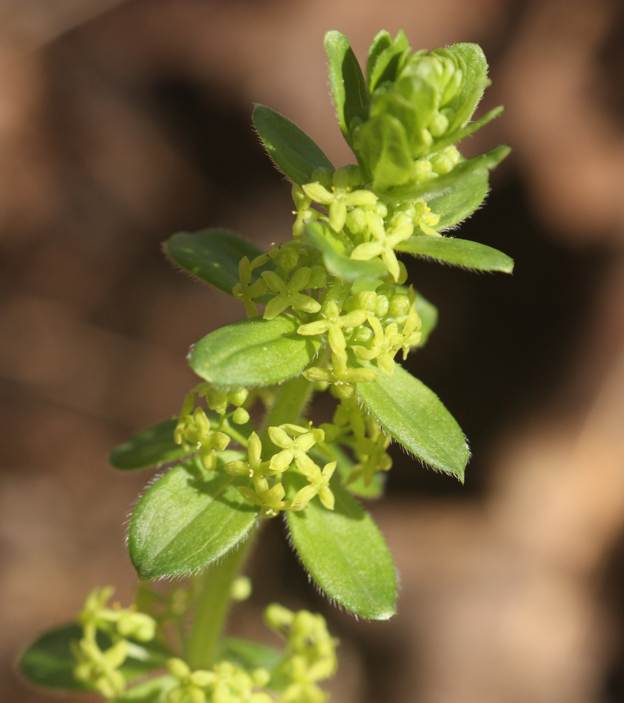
(309, 654)
(285, 470)
(364, 437)
(281, 475)
(289, 470)
(97, 664)
(308, 657)
(420, 103)
(362, 325)
(226, 682)
(208, 430)
(365, 226)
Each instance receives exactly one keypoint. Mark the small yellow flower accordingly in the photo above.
(247, 290)
(333, 323)
(294, 448)
(318, 485)
(288, 294)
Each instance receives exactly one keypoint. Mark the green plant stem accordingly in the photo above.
(212, 605)
(214, 586)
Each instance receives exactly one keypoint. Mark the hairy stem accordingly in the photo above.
(212, 604)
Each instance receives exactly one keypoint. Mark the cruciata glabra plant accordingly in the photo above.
(327, 311)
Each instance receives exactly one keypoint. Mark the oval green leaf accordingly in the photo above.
(49, 662)
(180, 524)
(210, 255)
(346, 82)
(253, 353)
(289, 147)
(150, 447)
(346, 556)
(474, 69)
(416, 418)
(458, 252)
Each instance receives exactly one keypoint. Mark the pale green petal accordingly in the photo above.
(313, 328)
(276, 307)
(366, 251)
(279, 437)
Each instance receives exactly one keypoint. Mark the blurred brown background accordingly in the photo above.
(121, 122)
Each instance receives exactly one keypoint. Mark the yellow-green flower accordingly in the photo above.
(339, 201)
(254, 464)
(295, 443)
(318, 485)
(268, 497)
(288, 294)
(247, 290)
(333, 323)
(384, 241)
(385, 344)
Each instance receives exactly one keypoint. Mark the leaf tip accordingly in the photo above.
(384, 615)
(500, 154)
(332, 36)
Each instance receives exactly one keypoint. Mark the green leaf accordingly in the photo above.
(461, 201)
(336, 262)
(249, 655)
(416, 418)
(290, 149)
(346, 82)
(384, 57)
(49, 661)
(458, 252)
(210, 255)
(443, 185)
(253, 353)
(181, 524)
(346, 556)
(381, 42)
(474, 67)
(428, 314)
(150, 447)
(382, 146)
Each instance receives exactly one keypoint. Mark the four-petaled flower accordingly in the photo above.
(270, 498)
(247, 290)
(384, 241)
(339, 201)
(295, 443)
(386, 342)
(333, 323)
(318, 485)
(288, 294)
